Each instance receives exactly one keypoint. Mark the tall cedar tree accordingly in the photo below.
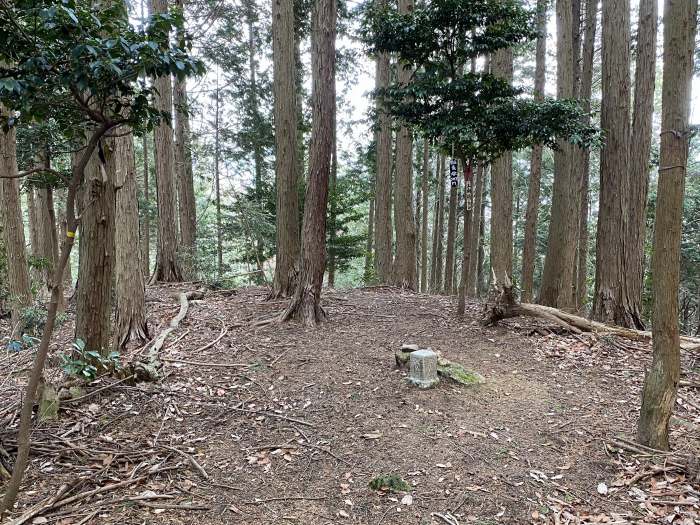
(306, 302)
(287, 219)
(661, 382)
(167, 264)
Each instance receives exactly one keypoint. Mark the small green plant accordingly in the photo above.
(34, 319)
(390, 482)
(85, 364)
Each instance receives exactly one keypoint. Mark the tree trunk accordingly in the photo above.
(217, 186)
(167, 265)
(405, 261)
(333, 212)
(61, 221)
(370, 243)
(502, 189)
(383, 227)
(480, 270)
(640, 149)
(585, 155)
(557, 285)
(424, 219)
(451, 238)
(611, 304)
(661, 381)
(475, 237)
(438, 228)
(147, 216)
(13, 231)
(94, 289)
(187, 206)
(468, 232)
(533, 190)
(306, 303)
(286, 162)
(130, 311)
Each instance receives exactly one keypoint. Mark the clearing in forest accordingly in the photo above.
(283, 424)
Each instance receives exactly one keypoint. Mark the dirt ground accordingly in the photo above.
(282, 424)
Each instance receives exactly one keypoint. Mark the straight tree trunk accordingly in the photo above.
(167, 265)
(585, 155)
(13, 231)
(475, 239)
(438, 228)
(187, 206)
(48, 235)
(383, 193)
(96, 269)
(480, 273)
(640, 149)
(405, 261)
(424, 219)
(286, 162)
(147, 218)
(611, 304)
(130, 311)
(333, 212)
(502, 189)
(661, 381)
(61, 221)
(419, 218)
(306, 303)
(217, 185)
(370, 243)
(533, 190)
(451, 239)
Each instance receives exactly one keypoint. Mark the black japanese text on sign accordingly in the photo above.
(454, 177)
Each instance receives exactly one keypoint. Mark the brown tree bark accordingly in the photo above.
(13, 230)
(146, 251)
(438, 228)
(502, 188)
(583, 165)
(451, 238)
(286, 176)
(369, 259)
(96, 246)
(130, 311)
(557, 285)
(306, 303)
(167, 264)
(217, 183)
(533, 190)
(661, 381)
(475, 237)
(383, 194)
(424, 219)
(61, 222)
(640, 149)
(611, 304)
(333, 209)
(405, 261)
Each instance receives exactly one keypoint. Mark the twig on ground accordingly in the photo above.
(192, 461)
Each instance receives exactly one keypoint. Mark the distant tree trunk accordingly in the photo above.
(533, 191)
(383, 227)
(585, 154)
(502, 188)
(94, 289)
(48, 236)
(424, 219)
(468, 232)
(306, 303)
(217, 186)
(405, 261)
(640, 149)
(471, 285)
(661, 381)
(130, 311)
(187, 206)
(480, 273)
(418, 217)
(557, 285)
(167, 265)
(438, 228)
(147, 217)
(13, 231)
(451, 238)
(286, 162)
(61, 222)
(611, 304)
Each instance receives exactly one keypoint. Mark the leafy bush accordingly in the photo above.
(85, 364)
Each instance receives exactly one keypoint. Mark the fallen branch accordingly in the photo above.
(505, 306)
(272, 414)
(192, 461)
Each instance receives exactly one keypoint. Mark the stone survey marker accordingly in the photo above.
(423, 372)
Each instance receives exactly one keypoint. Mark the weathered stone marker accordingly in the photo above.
(423, 368)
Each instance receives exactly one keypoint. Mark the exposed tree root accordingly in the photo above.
(504, 306)
(148, 369)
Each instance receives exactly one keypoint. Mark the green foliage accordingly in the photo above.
(389, 482)
(75, 62)
(483, 116)
(85, 364)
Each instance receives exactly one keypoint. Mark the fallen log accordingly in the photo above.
(505, 306)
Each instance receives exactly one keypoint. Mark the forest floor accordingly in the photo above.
(283, 424)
